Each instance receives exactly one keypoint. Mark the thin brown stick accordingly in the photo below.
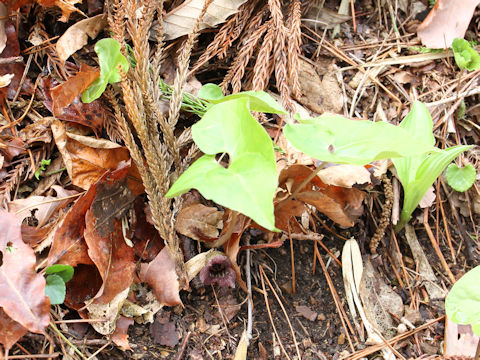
(399, 254)
(35, 356)
(292, 261)
(445, 225)
(436, 247)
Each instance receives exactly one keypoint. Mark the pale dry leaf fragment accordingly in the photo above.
(7, 78)
(108, 312)
(241, 352)
(425, 271)
(181, 20)
(352, 271)
(199, 222)
(77, 35)
(379, 301)
(3, 35)
(344, 175)
(460, 341)
(449, 19)
(428, 198)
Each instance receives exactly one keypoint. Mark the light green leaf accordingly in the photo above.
(210, 92)
(462, 304)
(249, 183)
(460, 179)
(425, 175)
(465, 56)
(259, 101)
(64, 271)
(55, 289)
(111, 60)
(337, 139)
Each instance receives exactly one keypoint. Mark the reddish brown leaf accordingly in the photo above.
(147, 241)
(91, 115)
(83, 286)
(68, 246)
(65, 93)
(67, 6)
(12, 49)
(285, 214)
(32, 235)
(449, 19)
(22, 289)
(161, 275)
(10, 330)
(338, 203)
(112, 256)
(120, 335)
(14, 147)
(232, 246)
(87, 158)
(199, 222)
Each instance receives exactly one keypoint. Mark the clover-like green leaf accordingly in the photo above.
(55, 289)
(418, 173)
(460, 179)
(111, 61)
(334, 138)
(210, 92)
(462, 304)
(64, 271)
(465, 56)
(249, 182)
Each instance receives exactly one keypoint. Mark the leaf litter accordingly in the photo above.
(109, 234)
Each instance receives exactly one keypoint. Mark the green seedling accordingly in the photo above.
(460, 179)
(462, 304)
(249, 182)
(41, 168)
(56, 277)
(465, 56)
(112, 63)
(418, 173)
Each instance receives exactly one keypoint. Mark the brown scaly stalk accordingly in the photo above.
(264, 65)
(280, 53)
(228, 33)
(294, 44)
(237, 70)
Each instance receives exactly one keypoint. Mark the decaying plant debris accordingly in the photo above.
(99, 204)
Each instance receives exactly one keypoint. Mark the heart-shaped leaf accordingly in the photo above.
(461, 179)
(249, 182)
(64, 271)
(462, 304)
(334, 138)
(55, 289)
(210, 92)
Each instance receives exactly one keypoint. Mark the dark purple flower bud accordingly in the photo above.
(218, 271)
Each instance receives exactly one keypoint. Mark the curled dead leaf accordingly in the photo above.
(199, 222)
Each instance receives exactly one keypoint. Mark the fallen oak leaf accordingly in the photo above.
(23, 290)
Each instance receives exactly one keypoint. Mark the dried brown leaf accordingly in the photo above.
(449, 19)
(23, 290)
(199, 222)
(120, 335)
(77, 35)
(181, 20)
(160, 274)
